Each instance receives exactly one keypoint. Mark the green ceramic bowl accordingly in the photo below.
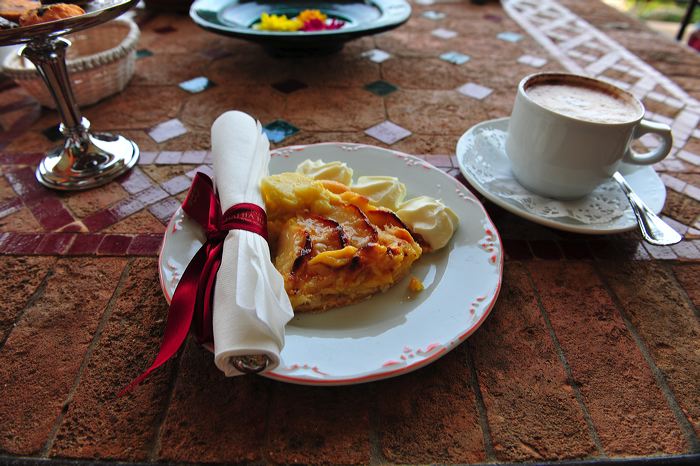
(236, 18)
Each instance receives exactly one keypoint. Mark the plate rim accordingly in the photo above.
(551, 223)
(374, 376)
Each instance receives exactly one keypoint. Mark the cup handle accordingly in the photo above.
(655, 155)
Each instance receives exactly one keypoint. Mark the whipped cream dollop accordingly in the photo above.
(320, 170)
(385, 191)
(430, 218)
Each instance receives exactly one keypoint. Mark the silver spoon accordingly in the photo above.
(654, 230)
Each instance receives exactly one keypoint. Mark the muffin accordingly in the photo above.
(50, 13)
(13, 9)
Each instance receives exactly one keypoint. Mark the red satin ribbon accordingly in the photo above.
(192, 304)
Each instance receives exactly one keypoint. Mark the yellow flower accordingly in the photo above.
(278, 23)
(309, 15)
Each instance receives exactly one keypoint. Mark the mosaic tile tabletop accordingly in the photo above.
(340, 97)
(592, 351)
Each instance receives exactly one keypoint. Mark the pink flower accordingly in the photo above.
(314, 24)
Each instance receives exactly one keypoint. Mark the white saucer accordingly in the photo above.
(643, 179)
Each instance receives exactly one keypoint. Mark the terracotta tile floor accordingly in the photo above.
(592, 351)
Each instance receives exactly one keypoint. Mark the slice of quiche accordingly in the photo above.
(331, 245)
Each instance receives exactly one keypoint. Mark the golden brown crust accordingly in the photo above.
(50, 13)
(332, 262)
(331, 245)
(13, 9)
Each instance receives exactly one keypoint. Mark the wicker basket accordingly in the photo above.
(100, 63)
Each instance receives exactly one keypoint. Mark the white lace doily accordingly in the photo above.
(486, 161)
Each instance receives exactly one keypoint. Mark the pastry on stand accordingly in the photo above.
(86, 159)
(46, 14)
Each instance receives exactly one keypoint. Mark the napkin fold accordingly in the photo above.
(251, 307)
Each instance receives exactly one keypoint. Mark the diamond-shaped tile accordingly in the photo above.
(434, 15)
(376, 55)
(143, 53)
(510, 36)
(475, 91)
(167, 130)
(388, 132)
(381, 88)
(279, 130)
(443, 33)
(289, 85)
(535, 62)
(455, 58)
(196, 85)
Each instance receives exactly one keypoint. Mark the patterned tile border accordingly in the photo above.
(50, 212)
(77, 244)
(82, 237)
(64, 234)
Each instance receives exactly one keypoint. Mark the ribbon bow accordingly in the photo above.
(191, 305)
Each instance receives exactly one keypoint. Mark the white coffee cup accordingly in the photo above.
(569, 133)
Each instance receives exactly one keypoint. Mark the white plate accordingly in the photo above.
(391, 333)
(643, 179)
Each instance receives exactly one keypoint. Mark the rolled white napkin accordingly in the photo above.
(251, 307)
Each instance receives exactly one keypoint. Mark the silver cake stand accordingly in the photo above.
(86, 159)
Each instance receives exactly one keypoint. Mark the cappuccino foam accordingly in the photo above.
(583, 102)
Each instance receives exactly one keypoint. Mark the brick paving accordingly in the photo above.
(590, 353)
